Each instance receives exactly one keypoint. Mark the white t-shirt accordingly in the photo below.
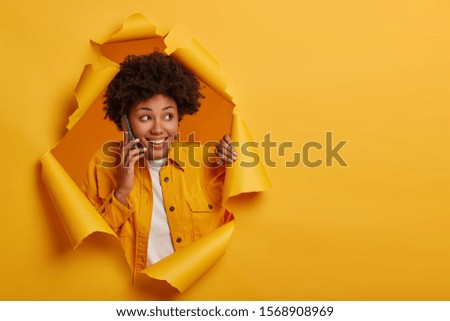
(159, 241)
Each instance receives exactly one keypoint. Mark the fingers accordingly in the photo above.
(227, 139)
(134, 155)
(132, 144)
(129, 138)
(131, 154)
(225, 150)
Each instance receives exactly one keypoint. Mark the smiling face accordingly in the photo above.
(155, 122)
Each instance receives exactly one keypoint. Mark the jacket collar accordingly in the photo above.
(178, 155)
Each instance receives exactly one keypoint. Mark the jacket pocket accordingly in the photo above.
(199, 204)
(206, 216)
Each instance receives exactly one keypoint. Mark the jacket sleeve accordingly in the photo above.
(98, 186)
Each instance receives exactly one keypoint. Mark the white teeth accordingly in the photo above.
(159, 141)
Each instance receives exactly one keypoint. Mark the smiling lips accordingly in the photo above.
(157, 143)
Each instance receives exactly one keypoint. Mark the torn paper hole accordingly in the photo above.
(88, 131)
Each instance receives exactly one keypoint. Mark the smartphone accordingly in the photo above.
(127, 127)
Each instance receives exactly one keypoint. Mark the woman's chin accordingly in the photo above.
(156, 156)
(158, 152)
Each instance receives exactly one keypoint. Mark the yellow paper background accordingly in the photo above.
(374, 73)
(64, 166)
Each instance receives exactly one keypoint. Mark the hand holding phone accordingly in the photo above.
(126, 127)
(130, 156)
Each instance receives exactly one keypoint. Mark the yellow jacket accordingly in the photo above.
(192, 199)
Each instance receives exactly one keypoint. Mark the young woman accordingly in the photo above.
(160, 196)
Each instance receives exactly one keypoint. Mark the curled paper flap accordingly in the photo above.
(185, 266)
(199, 61)
(247, 174)
(92, 82)
(79, 217)
(135, 27)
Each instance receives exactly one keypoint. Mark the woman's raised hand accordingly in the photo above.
(130, 155)
(225, 150)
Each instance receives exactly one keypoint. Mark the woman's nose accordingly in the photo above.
(156, 128)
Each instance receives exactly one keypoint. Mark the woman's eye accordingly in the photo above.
(168, 117)
(145, 118)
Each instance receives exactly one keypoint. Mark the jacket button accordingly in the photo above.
(103, 210)
(110, 200)
(179, 240)
(172, 208)
(210, 206)
(166, 179)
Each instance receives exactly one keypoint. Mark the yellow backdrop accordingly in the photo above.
(375, 73)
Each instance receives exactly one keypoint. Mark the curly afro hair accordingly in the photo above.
(142, 77)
